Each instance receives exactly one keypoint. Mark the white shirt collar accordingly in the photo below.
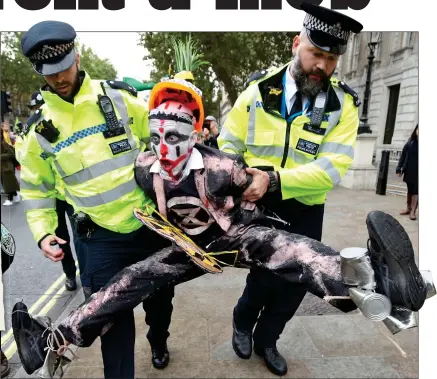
(195, 162)
(291, 90)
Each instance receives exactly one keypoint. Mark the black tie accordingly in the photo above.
(297, 105)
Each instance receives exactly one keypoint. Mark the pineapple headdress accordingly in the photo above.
(187, 58)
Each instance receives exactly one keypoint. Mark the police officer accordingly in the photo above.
(62, 208)
(36, 101)
(296, 127)
(86, 137)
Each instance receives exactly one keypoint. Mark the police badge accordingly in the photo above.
(335, 30)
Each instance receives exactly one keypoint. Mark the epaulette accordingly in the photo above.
(122, 85)
(255, 76)
(350, 91)
(34, 119)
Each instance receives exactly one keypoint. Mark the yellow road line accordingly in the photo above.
(52, 302)
(11, 350)
(39, 301)
(32, 309)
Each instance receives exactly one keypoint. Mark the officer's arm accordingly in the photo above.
(37, 187)
(335, 156)
(233, 134)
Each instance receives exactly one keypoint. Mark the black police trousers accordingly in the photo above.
(68, 264)
(266, 298)
(106, 253)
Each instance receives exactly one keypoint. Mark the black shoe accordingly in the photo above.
(242, 342)
(275, 362)
(28, 337)
(31, 335)
(392, 255)
(70, 284)
(160, 357)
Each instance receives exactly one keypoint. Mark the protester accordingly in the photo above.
(6, 132)
(408, 167)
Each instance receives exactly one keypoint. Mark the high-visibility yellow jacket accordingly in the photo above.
(18, 143)
(94, 173)
(310, 161)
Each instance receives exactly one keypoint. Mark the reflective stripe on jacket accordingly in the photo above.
(310, 162)
(81, 165)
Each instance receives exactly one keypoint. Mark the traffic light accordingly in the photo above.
(5, 104)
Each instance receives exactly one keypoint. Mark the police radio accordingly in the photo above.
(47, 130)
(108, 111)
(319, 109)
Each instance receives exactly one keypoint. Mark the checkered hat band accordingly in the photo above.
(48, 52)
(313, 23)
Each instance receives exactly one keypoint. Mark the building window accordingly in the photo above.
(401, 40)
(355, 52)
(396, 41)
(392, 110)
(407, 40)
(377, 37)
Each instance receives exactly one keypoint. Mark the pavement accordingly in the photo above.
(317, 343)
(31, 278)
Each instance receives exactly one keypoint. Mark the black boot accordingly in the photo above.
(70, 284)
(274, 360)
(160, 355)
(392, 255)
(242, 342)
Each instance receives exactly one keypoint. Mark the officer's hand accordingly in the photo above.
(260, 183)
(55, 255)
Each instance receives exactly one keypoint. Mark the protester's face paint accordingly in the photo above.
(172, 137)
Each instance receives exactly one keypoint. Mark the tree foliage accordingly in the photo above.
(16, 74)
(233, 58)
(96, 67)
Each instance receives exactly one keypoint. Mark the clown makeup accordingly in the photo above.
(172, 137)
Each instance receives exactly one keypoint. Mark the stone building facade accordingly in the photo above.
(393, 103)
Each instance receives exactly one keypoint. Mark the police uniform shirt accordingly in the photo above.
(291, 92)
